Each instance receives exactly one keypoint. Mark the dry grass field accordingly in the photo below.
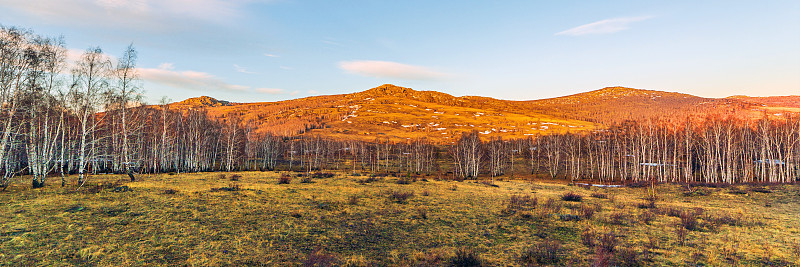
(250, 219)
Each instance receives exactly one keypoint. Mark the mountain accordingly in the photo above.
(399, 113)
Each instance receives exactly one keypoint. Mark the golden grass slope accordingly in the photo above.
(190, 219)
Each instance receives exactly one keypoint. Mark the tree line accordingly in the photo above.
(87, 117)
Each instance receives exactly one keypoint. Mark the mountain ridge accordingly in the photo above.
(400, 113)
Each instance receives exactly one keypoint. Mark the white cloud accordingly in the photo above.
(270, 55)
(604, 26)
(192, 80)
(148, 15)
(273, 91)
(388, 69)
(313, 92)
(242, 69)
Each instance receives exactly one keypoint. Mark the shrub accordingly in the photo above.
(352, 200)
(221, 176)
(236, 177)
(422, 213)
(466, 258)
(617, 218)
(489, 183)
(170, 191)
(545, 252)
(689, 218)
(323, 175)
(588, 237)
(571, 196)
(627, 256)
(761, 190)
(551, 206)
(608, 242)
(306, 179)
(520, 203)
(320, 258)
(229, 188)
(296, 214)
(650, 203)
(599, 195)
(399, 196)
(569, 217)
(647, 217)
(355, 174)
(406, 180)
(587, 212)
(426, 193)
(367, 180)
(453, 187)
(681, 233)
(285, 179)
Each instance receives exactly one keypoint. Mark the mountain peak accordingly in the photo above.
(389, 89)
(204, 101)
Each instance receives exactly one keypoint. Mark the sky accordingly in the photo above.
(271, 50)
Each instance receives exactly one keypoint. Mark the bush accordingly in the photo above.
(320, 258)
(627, 257)
(285, 179)
(367, 180)
(236, 177)
(608, 242)
(306, 179)
(352, 200)
(323, 175)
(221, 176)
(229, 188)
(588, 237)
(466, 258)
(587, 212)
(599, 195)
(399, 196)
(689, 218)
(681, 233)
(422, 213)
(551, 206)
(426, 193)
(617, 218)
(520, 203)
(571, 196)
(170, 191)
(647, 217)
(545, 252)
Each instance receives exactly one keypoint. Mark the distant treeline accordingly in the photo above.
(87, 117)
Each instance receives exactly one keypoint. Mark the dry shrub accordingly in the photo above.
(221, 176)
(681, 234)
(520, 203)
(453, 187)
(426, 193)
(321, 175)
(285, 179)
(689, 218)
(608, 242)
(627, 256)
(466, 258)
(618, 218)
(229, 188)
(599, 195)
(367, 180)
(170, 191)
(306, 180)
(588, 237)
(571, 196)
(422, 213)
(236, 177)
(587, 212)
(546, 252)
(647, 217)
(321, 258)
(551, 206)
(352, 200)
(399, 196)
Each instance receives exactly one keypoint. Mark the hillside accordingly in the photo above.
(398, 113)
(393, 113)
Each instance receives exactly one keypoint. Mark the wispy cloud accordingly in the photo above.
(149, 15)
(242, 69)
(192, 80)
(272, 91)
(270, 55)
(388, 69)
(605, 26)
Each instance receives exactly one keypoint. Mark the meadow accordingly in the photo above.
(344, 219)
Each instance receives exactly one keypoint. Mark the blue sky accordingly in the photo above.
(248, 51)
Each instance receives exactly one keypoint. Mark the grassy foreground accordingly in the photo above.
(203, 219)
